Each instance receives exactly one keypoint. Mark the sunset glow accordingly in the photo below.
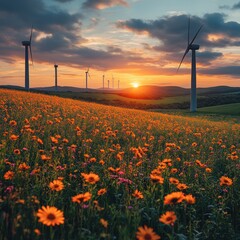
(135, 85)
(128, 40)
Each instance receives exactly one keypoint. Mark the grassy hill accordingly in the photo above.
(232, 109)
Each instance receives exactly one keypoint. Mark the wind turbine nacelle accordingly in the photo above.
(55, 65)
(26, 43)
(194, 46)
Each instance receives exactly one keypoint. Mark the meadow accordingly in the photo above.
(78, 170)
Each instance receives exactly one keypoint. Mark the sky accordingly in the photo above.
(130, 42)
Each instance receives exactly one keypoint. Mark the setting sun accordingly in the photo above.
(135, 85)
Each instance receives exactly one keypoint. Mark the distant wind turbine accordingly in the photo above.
(108, 83)
(193, 47)
(56, 80)
(27, 44)
(87, 75)
(103, 80)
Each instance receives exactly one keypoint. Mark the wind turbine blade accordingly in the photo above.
(188, 29)
(184, 55)
(89, 76)
(30, 48)
(196, 35)
(30, 39)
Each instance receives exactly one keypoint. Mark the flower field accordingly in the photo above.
(77, 170)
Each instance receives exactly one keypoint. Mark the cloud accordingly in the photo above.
(236, 6)
(225, 70)
(172, 32)
(101, 4)
(63, 1)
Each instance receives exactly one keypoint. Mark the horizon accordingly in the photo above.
(132, 41)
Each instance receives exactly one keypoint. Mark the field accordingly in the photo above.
(78, 170)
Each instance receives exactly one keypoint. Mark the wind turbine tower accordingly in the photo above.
(193, 47)
(56, 80)
(103, 80)
(27, 45)
(108, 83)
(87, 74)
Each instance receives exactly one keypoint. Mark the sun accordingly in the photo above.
(135, 85)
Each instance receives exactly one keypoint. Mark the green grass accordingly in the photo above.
(231, 109)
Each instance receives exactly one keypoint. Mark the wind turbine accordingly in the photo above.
(27, 44)
(108, 83)
(193, 47)
(56, 82)
(103, 80)
(87, 75)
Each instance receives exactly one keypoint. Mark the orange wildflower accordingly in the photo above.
(173, 198)
(182, 186)
(226, 181)
(17, 151)
(12, 123)
(137, 194)
(83, 197)
(8, 175)
(104, 222)
(56, 185)
(50, 216)
(23, 166)
(173, 180)
(101, 191)
(168, 218)
(156, 178)
(14, 137)
(190, 199)
(146, 233)
(91, 178)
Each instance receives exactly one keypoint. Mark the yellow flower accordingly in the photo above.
(50, 216)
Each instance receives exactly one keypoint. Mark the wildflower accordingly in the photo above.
(16, 151)
(23, 166)
(225, 181)
(168, 218)
(37, 231)
(50, 216)
(91, 178)
(56, 185)
(12, 123)
(209, 170)
(101, 191)
(190, 199)
(173, 180)
(182, 186)
(83, 197)
(8, 175)
(14, 137)
(45, 157)
(156, 178)
(174, 170)
(146, 233)
(104, 222)
(137, 194)
(173, 198)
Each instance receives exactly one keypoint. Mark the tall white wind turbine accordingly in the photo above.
(56, 79)
(193, 47)
(27, 45)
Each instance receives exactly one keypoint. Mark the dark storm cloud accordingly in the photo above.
(100, 4)
(226, 70)
(172, 31)
(17, 17)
